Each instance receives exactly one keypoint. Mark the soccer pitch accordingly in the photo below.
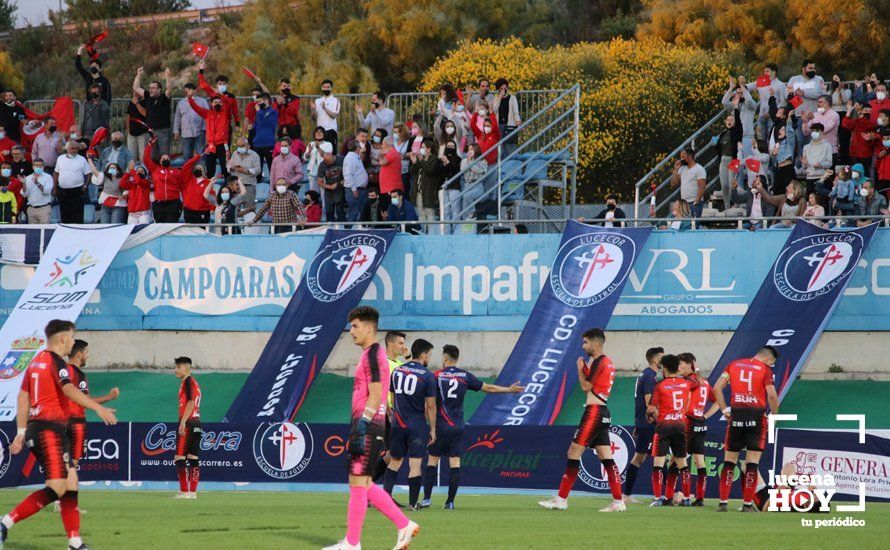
(223, 520)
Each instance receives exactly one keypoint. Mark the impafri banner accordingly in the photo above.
(68, 274)
(583, 287)
(797, 298)
(332, 284)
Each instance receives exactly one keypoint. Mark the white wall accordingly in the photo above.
(860, 354)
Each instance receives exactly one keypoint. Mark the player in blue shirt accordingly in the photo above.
(413, 424)
(452, 383)
(644, 430)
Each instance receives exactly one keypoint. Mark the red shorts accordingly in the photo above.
(77, 436)
(190, 443)
(49, 443)
(593, 430)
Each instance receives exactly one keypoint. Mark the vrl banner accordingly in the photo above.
(585, 282)
(332, 284)
(71, 268)
(797, 298)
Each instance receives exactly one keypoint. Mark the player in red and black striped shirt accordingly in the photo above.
(42, 419)
(188, 436)
(668, 405)
(596, 378)
(751, 388)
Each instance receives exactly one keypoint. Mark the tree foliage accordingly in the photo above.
(7, 14)
(10, 75)
(98, 10)
(849, 36)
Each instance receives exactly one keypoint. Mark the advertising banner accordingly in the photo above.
(797, 298)
(63, 283)
(333, 283)
(586, 279)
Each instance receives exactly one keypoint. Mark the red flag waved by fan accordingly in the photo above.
(248, 73)
(91, 44)
(200, 50)
(34, 124)
(98, 137)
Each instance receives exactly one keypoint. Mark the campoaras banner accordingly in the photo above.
(332, 284)
(585, 282)
(65, 279)
(797, 298)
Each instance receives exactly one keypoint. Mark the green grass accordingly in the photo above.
(151, 397)
(225, 520)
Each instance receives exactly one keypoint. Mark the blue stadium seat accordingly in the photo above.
(262, 192)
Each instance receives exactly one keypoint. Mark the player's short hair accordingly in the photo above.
(79, 346)
(183, 360)
(686, 357)
(670, 363)
(392, 335)
(366, 314)
(56, 326)
(419, 347)
(652, 352)
(595, 334)
(451, 351)
(770, 350)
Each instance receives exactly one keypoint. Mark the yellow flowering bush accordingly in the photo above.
(639, 98)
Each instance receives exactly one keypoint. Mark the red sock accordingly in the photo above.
(569, 477)
(671, 486)
(750, 483)
(726, 480)
(32, 504)
(70, 514)
(614, 477)
(701, 482)
(194, 475)
(657, 481)
(182, 474)
(686, 482)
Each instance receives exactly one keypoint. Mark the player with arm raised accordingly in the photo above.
(643, 428)
(366, 435)
(596, 378)
(697, 416)
(670, 399)
(42, 420)
(453, 383)
(189, 433)
(413, 391)
(751, 387)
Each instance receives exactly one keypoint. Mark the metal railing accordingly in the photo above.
(551, 138)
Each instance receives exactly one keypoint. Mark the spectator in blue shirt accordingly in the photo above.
(644, 430)
(264, 127)
(400, 210)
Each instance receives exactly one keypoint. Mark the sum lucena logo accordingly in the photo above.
(67, 270)
(485, 455)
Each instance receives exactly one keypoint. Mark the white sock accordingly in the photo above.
(7, 521)
(75, 542)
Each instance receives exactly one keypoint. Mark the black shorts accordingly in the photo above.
(593, 430)
(49, 443)
(410, 441)
(746, 430)
(643, 439)
(190, 443)
(669, 437)
(77, 436)
(364, 464)
(449, 441)
(696, 433)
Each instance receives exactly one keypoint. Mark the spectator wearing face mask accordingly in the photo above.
(375, 206)
(691, 178)
(246, 166)
(881, 102)
(265, 128)
(325, 111)
(188, 125)
(882, 156)
(217, 119)
(313, 158)
(759, 152)
(355, 181)
(331, 180)
(137, 186)
(38, 188)
(93, 76)
(250, 110)
(169, 184)
(451, 131)
(727, 145)
(96, 112)
(756, 206)
(286, 165)
(776, 89)
(863, 135)
(379, 115)
(230, 203)
(196, 207)
(783, 149)
(451, 168)
(285, 207)
(376, 154)
(401, 211)
(680, 215)
(506, 107)
(113, 204)
(82, 142)
(808, 86)
(158, 108)
(117, 153)
(817, 156)
(48, 145)
(12, 113)
(312, 202)
(829, 120)
(474, 177)
(20, 168)
(287, 105)
(611, 213)
(221, 90)
(8, 204)
(401, 142)
(428, 172)
(70, 178)
(789, 206)
(737, 98)
(137, 130)
(869, 203)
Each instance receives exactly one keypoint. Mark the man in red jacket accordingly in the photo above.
(863, 136)
(168, 184)
(222, 89)
(217, 117)
(196, 209)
